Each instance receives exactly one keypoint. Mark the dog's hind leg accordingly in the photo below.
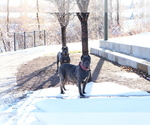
(62, 86)
(57, 62)
(61, 89)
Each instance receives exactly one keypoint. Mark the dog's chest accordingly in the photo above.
(82, 74)
(64, 59)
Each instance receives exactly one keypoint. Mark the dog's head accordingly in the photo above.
(85, 62)
(65, 50)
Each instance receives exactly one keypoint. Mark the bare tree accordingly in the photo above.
(37, 14)
(118, 18)
(83, 5)
(63, 16)
(83, 17)
(111, 11)
(3, 40)
(7, 16)
(95, 21)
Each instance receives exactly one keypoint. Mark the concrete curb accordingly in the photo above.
(122, 59)
(135, 50)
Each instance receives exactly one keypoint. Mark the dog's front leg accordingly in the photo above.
(84, 85)
(79, 88)
(57, 66)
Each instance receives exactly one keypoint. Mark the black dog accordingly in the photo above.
(79, 74)
(63, 57)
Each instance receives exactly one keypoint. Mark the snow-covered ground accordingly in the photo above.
(108, 104)
(137, 40)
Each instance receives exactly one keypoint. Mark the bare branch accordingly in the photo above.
(63, 14)
(83, 5)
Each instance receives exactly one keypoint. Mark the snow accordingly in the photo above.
(108, 103)
(128, 75)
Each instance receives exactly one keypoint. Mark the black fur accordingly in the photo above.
(63, 57)
(79, 74)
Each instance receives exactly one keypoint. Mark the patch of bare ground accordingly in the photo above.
(41, 73)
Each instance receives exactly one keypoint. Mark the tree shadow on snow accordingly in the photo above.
(97, 69)
(43, 78)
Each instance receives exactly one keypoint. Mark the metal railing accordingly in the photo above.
(25, 40)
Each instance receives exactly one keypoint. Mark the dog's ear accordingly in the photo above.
(81, 57)
(66, 47)
(89, 56)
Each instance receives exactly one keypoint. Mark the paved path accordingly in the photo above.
(9, 64)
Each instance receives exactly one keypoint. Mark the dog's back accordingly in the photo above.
(67, 70)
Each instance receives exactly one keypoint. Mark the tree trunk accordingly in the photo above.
(83, 17)
(111, 11)
(63, 24)
(37, 14)
(7, 16)
(4, 44)
(118, 20)
(63, 35)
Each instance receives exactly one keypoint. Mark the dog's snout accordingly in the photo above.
(86, 64)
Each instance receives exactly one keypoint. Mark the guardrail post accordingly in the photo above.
(14, 41)
(44, 38)
(34, 39)
(24, 40)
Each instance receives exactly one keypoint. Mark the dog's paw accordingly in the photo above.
(62, 93)
(64, 88)
(84, 92)
(82, 95)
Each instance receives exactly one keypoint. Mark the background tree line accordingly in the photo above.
(124, 19)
